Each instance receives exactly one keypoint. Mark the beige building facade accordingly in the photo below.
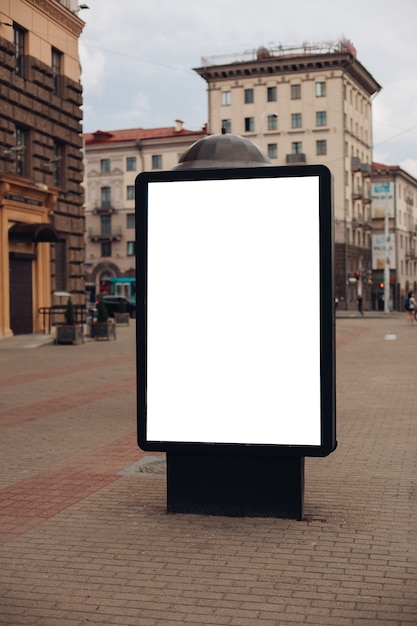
(394, 234)
(112, 161)
(308, 105)
(41, 197)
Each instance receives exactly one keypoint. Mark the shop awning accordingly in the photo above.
(33, 232)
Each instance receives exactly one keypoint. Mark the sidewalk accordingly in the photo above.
(377, 315)
(84, 533)
(17, 342)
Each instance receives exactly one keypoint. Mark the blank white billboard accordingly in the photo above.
(232, 311)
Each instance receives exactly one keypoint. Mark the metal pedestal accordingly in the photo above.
(235, 485)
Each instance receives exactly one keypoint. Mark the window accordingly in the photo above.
(226, 98)
(21, 141)
(295, 92)
(272, 122)
(130, 248)
(321, 118)
(272, 94)
(296, 120)
(131, 164)
(105, 197)
(227, 126)
(296, 147)
(56, 70)
(321, 146)
(105, 225)
(272, 150)
(320, 90)
(60, 265)
(104, 166)
(130, 192)
(249, 97)
(57, 163)
(19, 47)
(249, 124)
(157, 161)
(130, 220)
(106, 248)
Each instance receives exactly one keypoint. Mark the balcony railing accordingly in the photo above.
(105, 208)
(296, 158)
(112, 234)
(357, 166)
(366, 169)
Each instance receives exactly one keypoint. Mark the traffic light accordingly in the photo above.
(357, 275)
(381, 285)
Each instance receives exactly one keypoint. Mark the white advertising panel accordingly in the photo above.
(233, 347)
(382, 199)
(381, 250)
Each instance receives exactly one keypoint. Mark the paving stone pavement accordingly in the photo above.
(84, 533)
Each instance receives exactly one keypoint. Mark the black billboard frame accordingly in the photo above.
(327, 312)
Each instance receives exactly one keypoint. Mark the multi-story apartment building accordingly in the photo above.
(394, 234)
(41, 197)
(113, 159)
(308, 105)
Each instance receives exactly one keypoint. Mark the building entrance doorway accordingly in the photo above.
(21, 314)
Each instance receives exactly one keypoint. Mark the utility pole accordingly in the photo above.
(386, 264)
(360, 277)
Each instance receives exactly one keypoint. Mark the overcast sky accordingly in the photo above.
(137, 58)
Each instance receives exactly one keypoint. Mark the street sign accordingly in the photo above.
(234, 349)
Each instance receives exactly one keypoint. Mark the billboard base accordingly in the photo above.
(236, 485)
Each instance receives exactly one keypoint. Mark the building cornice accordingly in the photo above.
(62, 16)
(27, 192)
(392, 171)
(291, 64)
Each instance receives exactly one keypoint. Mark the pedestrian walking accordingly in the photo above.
(359, 300)
(410, 307)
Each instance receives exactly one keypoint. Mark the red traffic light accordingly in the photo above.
(357, 275)
(381, 285)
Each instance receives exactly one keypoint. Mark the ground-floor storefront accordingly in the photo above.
(26, 234)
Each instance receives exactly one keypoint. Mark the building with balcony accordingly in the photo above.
(394, 234)
(307, 105)
(41, 196)
(112, 161)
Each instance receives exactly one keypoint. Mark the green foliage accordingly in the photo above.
(102, 314)
(70, 313)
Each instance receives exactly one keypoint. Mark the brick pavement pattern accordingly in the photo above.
(84, 533)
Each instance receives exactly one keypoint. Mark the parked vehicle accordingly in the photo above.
(113, 305)
(91, 311)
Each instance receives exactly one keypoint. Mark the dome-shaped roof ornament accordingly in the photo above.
(222, 151)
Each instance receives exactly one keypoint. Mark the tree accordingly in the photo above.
(102, 314)
(70, 313)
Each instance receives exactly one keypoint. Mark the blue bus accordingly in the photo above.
(123, 287)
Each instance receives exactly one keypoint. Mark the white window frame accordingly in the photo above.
(226, 98)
